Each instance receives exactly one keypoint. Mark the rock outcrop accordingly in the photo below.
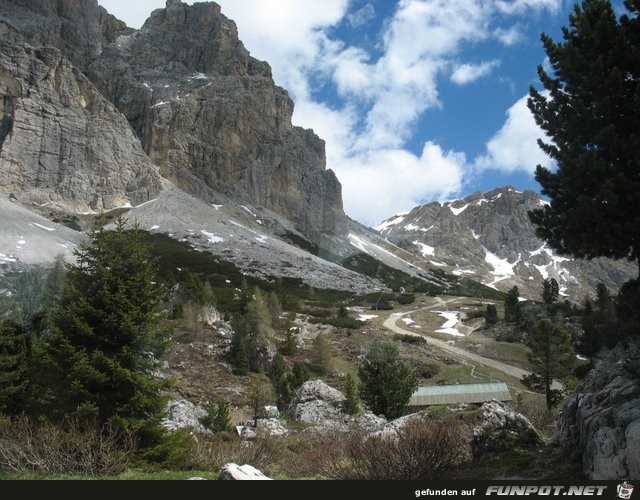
(601, 420)
(502, 428)
(489, 237)
(62, 143)
(183, 414)
(203, 109)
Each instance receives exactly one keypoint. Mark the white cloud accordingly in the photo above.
(390, 181)
(383, 90)
(362, 16)
(520, 6)
(467, 73)
(509, 36)
(514, 147)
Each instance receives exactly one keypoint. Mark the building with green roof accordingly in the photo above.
(459, 393)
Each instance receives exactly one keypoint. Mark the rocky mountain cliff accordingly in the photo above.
(489, 237)
(203, 110)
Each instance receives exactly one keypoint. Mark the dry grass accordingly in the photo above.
(421, 449)
(72, 447)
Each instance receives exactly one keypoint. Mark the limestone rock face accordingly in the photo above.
(315, 402)
(79, 28)
(61, 142)
(211, 116)
(203, 109)
(601, 420)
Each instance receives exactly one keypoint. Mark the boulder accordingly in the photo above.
(183, 414)
(235, 472)
(501, 429)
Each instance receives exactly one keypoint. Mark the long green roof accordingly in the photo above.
(459, 393)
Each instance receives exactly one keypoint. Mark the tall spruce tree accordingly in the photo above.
(590, 111)
(96, 359)
(550, 290)
(551, 358)
(14, 359)
(512, 310)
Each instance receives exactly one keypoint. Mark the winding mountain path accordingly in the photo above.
(514, 371)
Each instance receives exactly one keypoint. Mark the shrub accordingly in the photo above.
(422, 449)
(73, 447)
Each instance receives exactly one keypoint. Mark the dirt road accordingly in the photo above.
(514, 371)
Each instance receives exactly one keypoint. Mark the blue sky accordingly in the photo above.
(417, 100)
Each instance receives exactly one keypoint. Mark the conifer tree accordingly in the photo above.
(14, 359)
(299, 375)
(352, 394)
(278, 376)
(551, 358)
(96, 361)
(491, 314)
(387, 381)
(550, 291)
(322, 354)
(590, 112)
(217, 418)
(512, 311)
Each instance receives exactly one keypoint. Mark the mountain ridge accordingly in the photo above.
(488, 236)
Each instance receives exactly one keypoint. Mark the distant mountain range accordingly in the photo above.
(489, 237)
(179, 129)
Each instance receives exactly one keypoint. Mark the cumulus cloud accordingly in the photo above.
(379, 92)
(514, 148)
(387, 181)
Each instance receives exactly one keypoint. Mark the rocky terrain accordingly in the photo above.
(489, 237)
(601, 420)
(205, 112)
(178, 129)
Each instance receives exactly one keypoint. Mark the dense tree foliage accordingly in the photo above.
(352, 394)
(217, 418)
(550, 291)
(590, 112)
(14, 359)
(512, 310)
(551, 358)
(491, 314)
(96, 360)
(387, 381)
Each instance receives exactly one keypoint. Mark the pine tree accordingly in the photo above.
(217, 419)
(387, 381)
(261, 395)
(550, 291)
(590, 111)
(299, 375)
(278, 376)
(14, 360)
(551, 358)
(352, 394)
(96, 360)
(512, 311)
(322, 354)
(491, 314)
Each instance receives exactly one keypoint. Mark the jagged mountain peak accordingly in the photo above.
(488, 236)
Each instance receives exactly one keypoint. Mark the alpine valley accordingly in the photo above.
(175, 127)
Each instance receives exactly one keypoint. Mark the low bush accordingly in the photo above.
(73, 447)
(422, 449)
